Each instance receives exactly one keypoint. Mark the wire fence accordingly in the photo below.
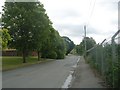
(105, 57)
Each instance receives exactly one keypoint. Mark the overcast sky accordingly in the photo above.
(70, 16)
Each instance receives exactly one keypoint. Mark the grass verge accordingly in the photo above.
(9, 63)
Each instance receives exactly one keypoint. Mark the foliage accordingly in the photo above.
(69, 44)
(31, 30)
(4, 38)
(111, 67)
(52, 55)
(90, 42)
(54, 44)
(60, 54)
(78, 50)
(28, 25)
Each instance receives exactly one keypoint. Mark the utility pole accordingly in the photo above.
(85, 39)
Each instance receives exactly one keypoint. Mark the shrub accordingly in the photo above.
(60, 54)
(52, 55)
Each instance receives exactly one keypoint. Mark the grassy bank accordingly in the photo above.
(9, 63)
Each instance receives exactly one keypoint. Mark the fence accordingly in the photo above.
(105, 57)
(14, 52)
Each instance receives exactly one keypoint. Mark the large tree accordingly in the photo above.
(90, 42)
(26, 23)
(69, 44)
(42, 28)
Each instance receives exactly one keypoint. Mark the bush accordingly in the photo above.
(111, 69)
(60, 54)
(52, 55)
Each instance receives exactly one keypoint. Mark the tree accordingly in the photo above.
(69, 44)
(55, 46)
(43, 26)
(60, 46)
(31, 30)
(78, 50)
(90, 42)
(4, 38)
(26, 23)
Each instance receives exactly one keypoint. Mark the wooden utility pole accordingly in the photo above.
(85, 38)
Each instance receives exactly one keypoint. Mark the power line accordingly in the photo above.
(89, 9)
(92, 10)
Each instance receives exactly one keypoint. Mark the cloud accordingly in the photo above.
(109, 4)
(76, 29)
(67, 13)
(69, 17)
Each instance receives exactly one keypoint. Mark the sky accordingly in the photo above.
(70, 16)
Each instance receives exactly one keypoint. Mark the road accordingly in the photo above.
(45, 75)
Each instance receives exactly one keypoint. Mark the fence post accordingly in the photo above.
(102, 61)
(114, 59)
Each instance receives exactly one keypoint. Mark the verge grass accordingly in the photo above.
(13, 62)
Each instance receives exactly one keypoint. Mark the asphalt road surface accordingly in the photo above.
(45, 75)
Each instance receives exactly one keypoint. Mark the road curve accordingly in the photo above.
(45, 75)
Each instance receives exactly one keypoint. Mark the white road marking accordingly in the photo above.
(67, 83)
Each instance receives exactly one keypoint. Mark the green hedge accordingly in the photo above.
(111, 68)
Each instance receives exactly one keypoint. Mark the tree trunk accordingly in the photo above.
(24, 56)
(38, 56)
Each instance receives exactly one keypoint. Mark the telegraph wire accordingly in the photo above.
(91, 11)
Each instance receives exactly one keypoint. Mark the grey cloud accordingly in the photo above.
(66, 13)
(115, 22)
(75, 30)
(72, 30)
(109, 4)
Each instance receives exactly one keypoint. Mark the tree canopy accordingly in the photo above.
(31, 30)
(4, 38)
(69, 44)
(90, 42)
(25, 22)
(55, 46)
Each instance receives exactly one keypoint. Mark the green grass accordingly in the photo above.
(9, 63)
